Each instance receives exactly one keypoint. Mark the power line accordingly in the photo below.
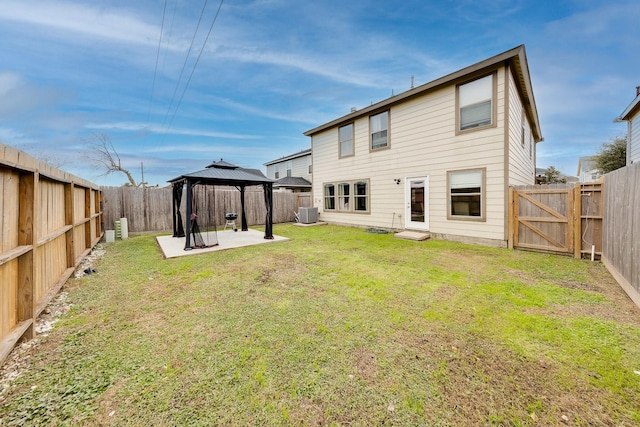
(173, 97)
(215, 18)
(155, 70)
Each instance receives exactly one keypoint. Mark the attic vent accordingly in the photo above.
(354, 109)
(637, 90)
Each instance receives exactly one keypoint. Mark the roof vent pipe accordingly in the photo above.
(411, 82)
(353, 109)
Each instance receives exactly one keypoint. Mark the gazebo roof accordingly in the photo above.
(224, 173)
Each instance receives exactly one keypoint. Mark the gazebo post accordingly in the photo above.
(243, 220)
(187, 237)
(268, 196)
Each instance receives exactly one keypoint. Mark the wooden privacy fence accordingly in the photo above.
(621, 236)
(557, 218)
(50, 221)
(149, 209)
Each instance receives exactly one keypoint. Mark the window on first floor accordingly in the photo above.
(466, 194)
(350, 196)
(329, 197)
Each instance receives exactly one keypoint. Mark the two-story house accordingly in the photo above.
(439, 157)
(587, 170)
(632, 116)
(292, 172)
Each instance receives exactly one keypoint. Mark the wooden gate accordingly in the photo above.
(542, 218)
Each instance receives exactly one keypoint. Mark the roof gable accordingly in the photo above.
(516, 57)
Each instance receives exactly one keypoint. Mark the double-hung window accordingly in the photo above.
(344, 196)
(329, 197)
(466, 194)
(379, 130)
(361, 196)
(347, 196)
(277, 170)
(475, 103)
(346, 140)
(289, 167)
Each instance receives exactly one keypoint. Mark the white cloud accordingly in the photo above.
(159, 129)
(83, 20)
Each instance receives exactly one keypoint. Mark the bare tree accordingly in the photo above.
(105, 156)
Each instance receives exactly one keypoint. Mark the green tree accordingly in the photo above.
(553, 176)
(612, 155)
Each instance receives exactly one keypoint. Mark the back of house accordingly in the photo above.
(439, 157)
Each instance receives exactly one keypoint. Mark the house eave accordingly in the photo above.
(630, 111)
(516, 56)
(289, 157)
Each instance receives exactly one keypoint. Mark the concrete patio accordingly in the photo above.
(173, 247)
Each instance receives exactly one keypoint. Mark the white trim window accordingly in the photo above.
(466, 194)
(379, 130)
(309, 166)
(475, 103)
(276, 167)
(289, 167)
(346, 140)
(350, 197)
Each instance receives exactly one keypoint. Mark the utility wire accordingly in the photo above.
(155, 70)
(175, 91)
(215, 18)
(164, 59)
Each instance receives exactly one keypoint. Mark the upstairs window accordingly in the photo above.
(379, 130)
(346, 140)
(309, 168)
(277, 170)
(475, 103)
(289, 167)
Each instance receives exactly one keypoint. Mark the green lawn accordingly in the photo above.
(336, 327)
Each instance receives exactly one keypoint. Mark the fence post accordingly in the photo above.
(511, 219)
(577, 221)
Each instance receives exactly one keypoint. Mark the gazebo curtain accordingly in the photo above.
(178, 226)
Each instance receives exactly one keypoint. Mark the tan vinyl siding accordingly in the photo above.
(423, 142)
(521, 163)
(634, 135)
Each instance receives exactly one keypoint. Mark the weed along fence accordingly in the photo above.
(557, 218)
(50, 221)
(149, 209)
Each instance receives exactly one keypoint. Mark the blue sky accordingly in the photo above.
(272, 69)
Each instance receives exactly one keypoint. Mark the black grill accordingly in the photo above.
(230, 216)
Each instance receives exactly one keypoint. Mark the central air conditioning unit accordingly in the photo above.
(308, 215)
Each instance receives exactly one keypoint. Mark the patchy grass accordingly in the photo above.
(336, 327)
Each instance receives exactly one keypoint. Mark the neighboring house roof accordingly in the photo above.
(224, 173)
(292, 181)
(631, 110)
(586, 163)
(516, 55)
(290, 157)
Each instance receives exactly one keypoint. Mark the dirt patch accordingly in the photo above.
(481, 383)
(366, 364)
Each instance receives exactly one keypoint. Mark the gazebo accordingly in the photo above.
(220, 173)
